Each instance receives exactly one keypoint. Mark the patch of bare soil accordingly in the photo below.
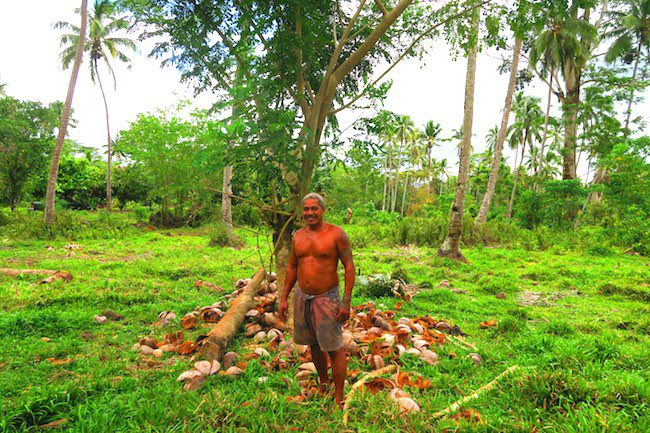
(537, 299)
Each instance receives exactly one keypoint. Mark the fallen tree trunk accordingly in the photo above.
(53, 275)
(219, 338)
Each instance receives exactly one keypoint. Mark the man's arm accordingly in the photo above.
(290, 277)
(345, 255)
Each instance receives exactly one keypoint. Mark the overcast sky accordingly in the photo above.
(30, 68)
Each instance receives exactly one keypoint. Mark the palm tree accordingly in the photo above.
(491, 139)
(497, 136)
(100, 45)
(451, 246)
(404, 128)
(631, 34)
(526, 127)
(65, 117)
(565, 45)
(432, 132)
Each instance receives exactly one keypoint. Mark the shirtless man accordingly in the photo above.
(318, 310)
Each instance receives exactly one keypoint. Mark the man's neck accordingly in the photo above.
(317, 228)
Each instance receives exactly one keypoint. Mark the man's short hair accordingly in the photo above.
(313, 195)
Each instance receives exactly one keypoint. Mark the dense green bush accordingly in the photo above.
(69, 225)
(220, 236)
(4, 219)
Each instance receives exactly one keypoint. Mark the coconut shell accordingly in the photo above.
(148, 341)
(203, 367)
(215, 366)
(233, 371)
(187, 375)
(260, 351)
(408, 405)
(308, 366)
(229, 359)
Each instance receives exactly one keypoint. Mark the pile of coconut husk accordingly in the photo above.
(376, 337)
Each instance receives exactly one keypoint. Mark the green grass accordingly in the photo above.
(584, 351)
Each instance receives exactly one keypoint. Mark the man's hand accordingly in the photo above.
(344, 314)
(283, 309)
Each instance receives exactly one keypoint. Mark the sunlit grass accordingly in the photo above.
(583, 349)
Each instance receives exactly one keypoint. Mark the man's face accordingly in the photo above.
(312, 212)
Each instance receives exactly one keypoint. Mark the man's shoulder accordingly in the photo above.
(336, 230)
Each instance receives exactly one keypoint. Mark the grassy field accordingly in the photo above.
(578, 326)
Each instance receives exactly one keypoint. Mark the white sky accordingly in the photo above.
(30, 67)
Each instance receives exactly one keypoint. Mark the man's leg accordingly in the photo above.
(320, 361)
(339, 372)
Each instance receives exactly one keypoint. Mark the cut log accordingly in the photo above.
(219, 338)
(53, 275)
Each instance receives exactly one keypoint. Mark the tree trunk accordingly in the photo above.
(451, 246)
(545, 133)
(498, 147)
(282, 236)
(65, 118)
(219, 338)
(516, 176)
(629, 102)
(396, 185)
(600, 176)
(406, 182)
(226, 199)
(572, 78)
(109, 195)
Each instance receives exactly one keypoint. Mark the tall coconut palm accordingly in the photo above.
(65, 117)
(432, 132)
(102, 45)
(451, 245)
(526, 128)
(497, 137)
(404, 128)
(631, 33)
(565, 45)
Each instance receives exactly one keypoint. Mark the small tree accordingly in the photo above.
(27, 133)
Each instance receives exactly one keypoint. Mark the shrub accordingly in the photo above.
(70, 225)
(400, 275)
(4, 219)
(221, 236)
(375, 286)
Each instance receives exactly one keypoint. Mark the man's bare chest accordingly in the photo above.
(318, 247)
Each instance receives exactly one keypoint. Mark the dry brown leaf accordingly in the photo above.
(398, 306)
(55, 361)
(469, 415)
(488, 324)
(378, 384)
(186, 348)
(241, 365)
(295, 399)
(403, 379)
(174, 338)
(207, 285)
(54, 424)
(420, 383)
(59, 275)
